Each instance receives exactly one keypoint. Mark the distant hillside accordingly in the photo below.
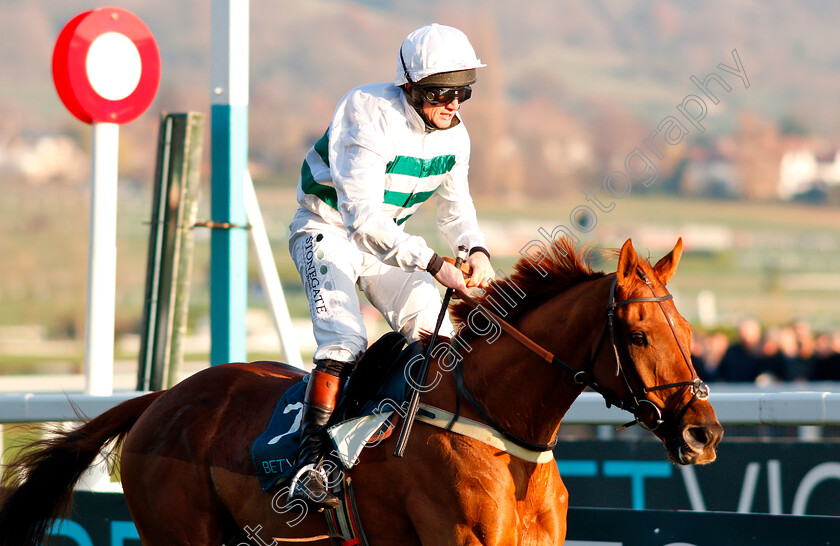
(572, 87)
(606, 70)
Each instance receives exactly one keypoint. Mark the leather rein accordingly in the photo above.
(633, 403)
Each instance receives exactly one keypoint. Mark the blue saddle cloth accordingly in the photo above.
(274, 451)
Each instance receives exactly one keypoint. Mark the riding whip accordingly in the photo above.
(414, 400)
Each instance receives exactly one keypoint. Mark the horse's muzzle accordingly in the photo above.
(696, 444)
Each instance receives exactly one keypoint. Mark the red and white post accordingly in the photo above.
(106, 69)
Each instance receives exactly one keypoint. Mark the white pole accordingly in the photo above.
(102, 263)
(269, 277)
(707, 308)
(102, 283)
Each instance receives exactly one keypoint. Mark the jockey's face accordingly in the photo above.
(441, 115)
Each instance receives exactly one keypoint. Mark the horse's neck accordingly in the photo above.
(521, 391)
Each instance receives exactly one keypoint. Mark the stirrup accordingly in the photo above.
(314, 489)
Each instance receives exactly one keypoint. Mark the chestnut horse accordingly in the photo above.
(187, 472)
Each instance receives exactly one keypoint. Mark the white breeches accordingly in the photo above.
(331, 267)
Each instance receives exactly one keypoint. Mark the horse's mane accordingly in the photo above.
(564, 267)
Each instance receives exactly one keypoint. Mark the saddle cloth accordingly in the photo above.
(374, 391)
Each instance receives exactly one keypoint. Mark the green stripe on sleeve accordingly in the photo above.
(325, 193)
(421, 168)
(406, 200)
(323, 147)
(404, 165)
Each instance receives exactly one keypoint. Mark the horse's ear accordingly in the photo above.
(667, 266)
(627, 261)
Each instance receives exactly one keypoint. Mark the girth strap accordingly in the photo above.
(490, 435)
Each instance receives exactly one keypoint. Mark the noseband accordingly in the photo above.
(635, 403)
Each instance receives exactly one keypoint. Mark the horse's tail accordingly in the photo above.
(40, 481)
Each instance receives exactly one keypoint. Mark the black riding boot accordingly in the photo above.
(309, 483)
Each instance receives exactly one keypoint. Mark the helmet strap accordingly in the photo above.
(405, 70)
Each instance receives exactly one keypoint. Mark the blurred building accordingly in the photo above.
(43, 159)
(803, 170)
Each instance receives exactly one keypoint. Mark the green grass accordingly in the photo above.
(44, 258)
(17, 437)
(14, 364)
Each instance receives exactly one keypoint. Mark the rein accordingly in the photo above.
(632, 404)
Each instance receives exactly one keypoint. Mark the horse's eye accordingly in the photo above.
(638, 338)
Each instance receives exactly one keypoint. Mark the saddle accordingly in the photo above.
(375, 388)
(379, 376)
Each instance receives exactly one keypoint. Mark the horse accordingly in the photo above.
(188, 477)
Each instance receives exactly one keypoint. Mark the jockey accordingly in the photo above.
(389, 148)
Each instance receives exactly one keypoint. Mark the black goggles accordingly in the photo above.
(444, 95)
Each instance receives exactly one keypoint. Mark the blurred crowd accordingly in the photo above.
(793, 353)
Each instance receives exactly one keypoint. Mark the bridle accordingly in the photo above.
(636, 402)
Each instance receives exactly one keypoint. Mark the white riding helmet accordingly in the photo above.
(437, 49)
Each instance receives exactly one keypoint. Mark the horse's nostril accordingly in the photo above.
(696, 436)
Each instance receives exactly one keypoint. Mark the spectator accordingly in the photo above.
(806, 357)
(715, 348)
(792, 366)
(698, 355)
(827, 357)
(770, 365)
(740, 363)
